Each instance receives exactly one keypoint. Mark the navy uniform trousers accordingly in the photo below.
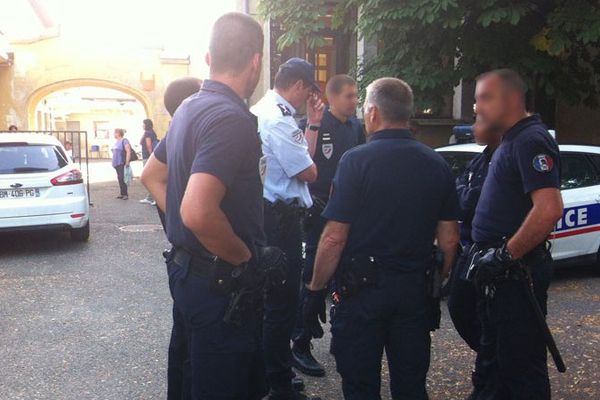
(512, 358)
(462, 303)
(178, 370)
(392, 316)
(285, 232)
(225, 361)
(313, 234)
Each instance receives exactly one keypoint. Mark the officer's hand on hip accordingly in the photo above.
(313, 310)
(498, 257)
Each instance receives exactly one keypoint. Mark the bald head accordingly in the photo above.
(500, 99)
(235, 39)
(509, 80)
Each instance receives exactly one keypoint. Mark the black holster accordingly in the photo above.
(433, 278)
(314, 213)
(355, 273)
(286, 215)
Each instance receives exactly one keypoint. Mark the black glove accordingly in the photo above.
(493, 263)
(313, 310)
(273, 262)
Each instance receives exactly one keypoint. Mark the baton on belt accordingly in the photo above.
(541, 321)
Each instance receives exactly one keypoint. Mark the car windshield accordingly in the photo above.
(457, 160)
(24, 158)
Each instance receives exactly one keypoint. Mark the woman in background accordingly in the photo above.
(121, 157)
(148, 142)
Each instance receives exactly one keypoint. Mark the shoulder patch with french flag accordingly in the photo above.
(543, 163)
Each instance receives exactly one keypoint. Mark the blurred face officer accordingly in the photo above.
(520, 201)
(342, 97)
(214, 209)
(289, 169)
(338, 132)
(390, 199)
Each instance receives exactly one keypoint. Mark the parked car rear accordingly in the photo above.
(40, 187)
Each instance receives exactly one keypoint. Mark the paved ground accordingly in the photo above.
(91, 321)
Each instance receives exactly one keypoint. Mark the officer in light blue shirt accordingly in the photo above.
(289, 170)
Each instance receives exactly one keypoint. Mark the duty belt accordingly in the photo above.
(201, 262)
(284, 208)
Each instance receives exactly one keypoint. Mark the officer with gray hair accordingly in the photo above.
(391, 198)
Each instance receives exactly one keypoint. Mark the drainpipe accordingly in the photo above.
(246, 6)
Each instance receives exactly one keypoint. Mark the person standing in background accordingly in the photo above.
(462, 301)
(121, 157)
(338, 132)
(148, 142)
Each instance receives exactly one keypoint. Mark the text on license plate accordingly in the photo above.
(19, 193)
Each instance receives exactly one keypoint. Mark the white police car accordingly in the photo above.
(40, 187)
(576, 237)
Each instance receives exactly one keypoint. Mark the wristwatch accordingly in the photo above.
(314, 128)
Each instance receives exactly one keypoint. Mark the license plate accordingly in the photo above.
(19, 193)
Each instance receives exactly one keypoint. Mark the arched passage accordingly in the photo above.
(38, 95)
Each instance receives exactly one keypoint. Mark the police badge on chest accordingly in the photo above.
(327, 146)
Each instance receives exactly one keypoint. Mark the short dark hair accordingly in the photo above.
(393, 97)
(179, 90)
(148, 125)
(287, 77)
(337, 82)
(235, 39)
(13, 128)
(509, 78)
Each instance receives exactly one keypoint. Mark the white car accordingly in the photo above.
(40, 187)
(576, 237)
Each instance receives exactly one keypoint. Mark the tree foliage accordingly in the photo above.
(433, 44)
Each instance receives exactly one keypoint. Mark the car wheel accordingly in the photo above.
(81, 234)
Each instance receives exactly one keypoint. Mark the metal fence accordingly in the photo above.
(80, 149)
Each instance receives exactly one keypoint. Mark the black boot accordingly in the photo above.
(298, 384)
(477, 386)
(291, 396)
(303, 360)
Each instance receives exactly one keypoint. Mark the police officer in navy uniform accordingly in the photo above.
(519, 206)
(462, 301)
(338, 132)
(391, 198)
(214, 212)
(289, 169)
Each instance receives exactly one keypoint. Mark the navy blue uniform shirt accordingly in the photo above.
(393, 191)
(160, 152)
(213, 132)
(527, 160)
(468, 187)
(335, 138)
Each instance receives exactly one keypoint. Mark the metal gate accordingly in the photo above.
(79, 149)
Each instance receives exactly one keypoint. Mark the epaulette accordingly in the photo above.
(284, 110)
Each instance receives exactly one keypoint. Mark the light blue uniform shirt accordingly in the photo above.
(285, 149)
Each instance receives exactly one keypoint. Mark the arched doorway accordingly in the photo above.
(95, 106)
